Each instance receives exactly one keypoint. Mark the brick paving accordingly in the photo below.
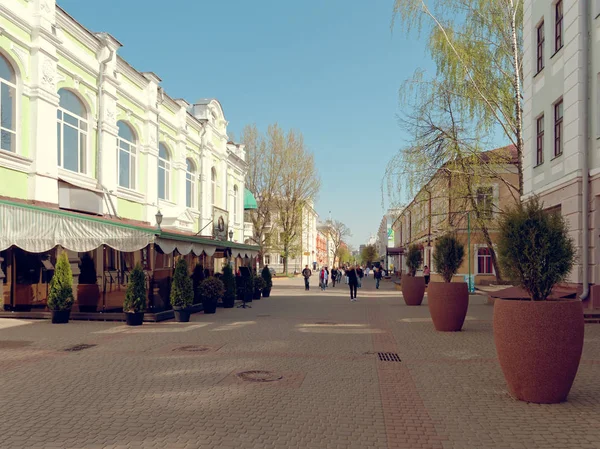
(137, 388)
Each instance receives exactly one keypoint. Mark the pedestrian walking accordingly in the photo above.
(426, 274)
(323, 278)
(352, 276)
(367, 270)
(360, 273)
(307, 274)
(334, 274)
(378, 274)
(327, 277)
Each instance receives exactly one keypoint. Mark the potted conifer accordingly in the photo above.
(249, 287)
(197, 277)
(538, 340)
(182, 292)
(230, 287)
(268, 278)
(413, 287)
(211, 290)
(259, 286)
(60, 294)
(88, 292)
(134, 305)
(448, 301)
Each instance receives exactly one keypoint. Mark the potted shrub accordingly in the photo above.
(230, 287)
(413, 287)
(249, 287)
(538, 340)
(448, 301)
(197, 277)
(211, 290)
(182, 292)
(259, 286)
(266, 275)
(60, 294)
(134, 305)
(88, 292)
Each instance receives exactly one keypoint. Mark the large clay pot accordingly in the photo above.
(539, 346)
(448, 303)
(413, 289)
(87, 297)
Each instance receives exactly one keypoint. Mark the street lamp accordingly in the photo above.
(231, 234)
(159, 218)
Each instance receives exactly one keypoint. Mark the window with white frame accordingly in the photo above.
(72, 130)
(190, 183)
(8, 106)
(267, 259)
(213, 190)
(126, 159)
(164, 172)
(235, 204)
(485, 201)
(484, 261)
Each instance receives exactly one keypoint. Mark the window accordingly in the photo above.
(235, 204)
(281, 260)
(558, 31)
(164, 172)
(540, 47)
(484, 261)
(267, 259)
(190, 184)
(8, 107)
(71, 129)
(127, 156)
(558, 128)
(213, 191)
(485, 196)
(540, 140)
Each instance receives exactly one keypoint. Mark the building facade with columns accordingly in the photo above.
(89, 141)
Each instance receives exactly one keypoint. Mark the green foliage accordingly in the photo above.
(249, 286)
(259, 283)
(448, 256)
(211, 289)
(135, 297)
(535, 248)
(369, 254)
(60, 295)
(266, 275)
(87, 270)
(182, 289)
(414, 258)
(228, 280)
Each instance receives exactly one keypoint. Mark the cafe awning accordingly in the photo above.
(249, 200)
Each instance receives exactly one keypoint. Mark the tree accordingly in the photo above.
(60, 293)
(182, 287)
(343, 255)
(369, 254)
(338, 231)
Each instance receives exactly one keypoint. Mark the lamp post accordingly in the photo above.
(159, 218)
(231, 235)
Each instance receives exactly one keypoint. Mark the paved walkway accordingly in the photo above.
(172, 385)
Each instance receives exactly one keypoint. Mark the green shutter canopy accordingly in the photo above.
(249, 200)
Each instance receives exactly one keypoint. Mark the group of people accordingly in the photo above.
(353, 275)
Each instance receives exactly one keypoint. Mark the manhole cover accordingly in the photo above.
(259, 376)
(14, 344)
(79, 347)
(192, 348)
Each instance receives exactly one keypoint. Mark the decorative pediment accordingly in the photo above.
(184, 221)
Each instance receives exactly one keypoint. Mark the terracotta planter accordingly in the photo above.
(413, 289)
(448, 303)
(539, 346)
(87, 297)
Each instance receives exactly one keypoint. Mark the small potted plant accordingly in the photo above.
(259, 286)
(266, 275)
(211, 290)
(538, 341)
(230, 287)
(182, 292)
(448, 301)
(134, 305)
(88, 292)
(197, 277)
(60, 295)
(413, 287)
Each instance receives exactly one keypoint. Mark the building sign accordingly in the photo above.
(390, 235)
(220, 223)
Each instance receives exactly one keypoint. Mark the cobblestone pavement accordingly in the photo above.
(175, 385)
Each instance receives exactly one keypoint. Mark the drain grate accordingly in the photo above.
(14, 344)
(79, 347)
(389, 357)
(259, 376)
(192, 348)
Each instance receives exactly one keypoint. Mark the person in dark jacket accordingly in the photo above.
(334, 275)
(378, 275)
(360, 273)
(307, 274)
(352, 282)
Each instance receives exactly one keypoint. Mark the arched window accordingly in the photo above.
(213, 180)
(126, 159)
(8, 106)
(164, 172)
(190, 184)
(71, 131)
(484, 261)
(235, 204)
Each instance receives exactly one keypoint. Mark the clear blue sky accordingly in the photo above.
(329, 68)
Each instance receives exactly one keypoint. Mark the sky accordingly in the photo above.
(328, 68)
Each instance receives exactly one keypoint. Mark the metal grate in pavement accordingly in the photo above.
(259, 376)
(388, 357)
(79, 347)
